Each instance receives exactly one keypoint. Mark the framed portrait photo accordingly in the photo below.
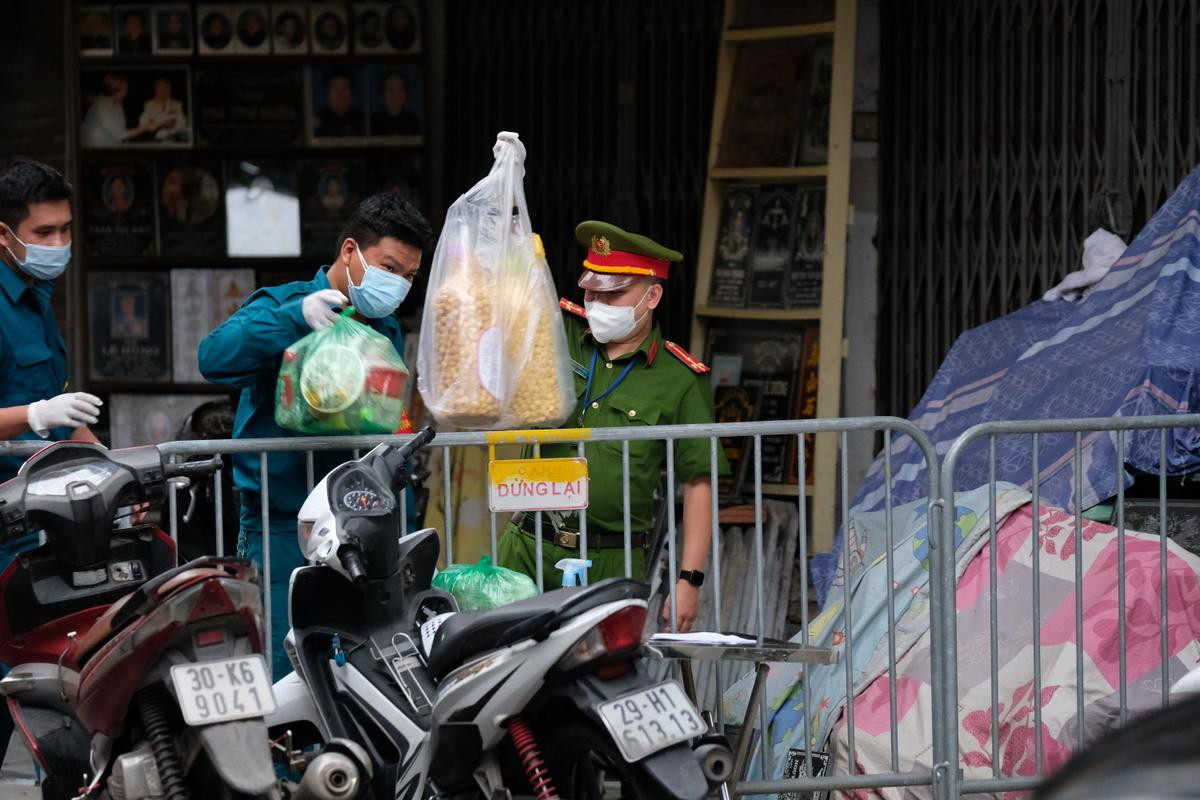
(214, 34)
(396, 103)
(134, 32)
(402, 26)
(289, 28)
(173, 30)
(95, 31)
(135, 107)
(330, 28)
(337, 96)
(130, 326)
(369, 32)
(252, 29)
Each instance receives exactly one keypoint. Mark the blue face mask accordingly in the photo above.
(42, 261)
(380, 292)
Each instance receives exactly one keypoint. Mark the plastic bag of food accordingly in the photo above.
(347, 378)
(482, 585)
(493, 350)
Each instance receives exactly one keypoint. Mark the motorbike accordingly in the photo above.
(131, 678)
(546, 696)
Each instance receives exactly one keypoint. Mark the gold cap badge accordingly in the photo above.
(600, 245)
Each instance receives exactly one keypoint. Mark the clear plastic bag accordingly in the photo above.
(493, 352)
(482, 585)
(347, 378)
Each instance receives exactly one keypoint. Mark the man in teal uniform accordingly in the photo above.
(35, 246)
(378, 255)
(626, 374)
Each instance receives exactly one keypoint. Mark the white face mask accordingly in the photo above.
(613, 323)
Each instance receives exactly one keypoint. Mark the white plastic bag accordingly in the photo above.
(493, 352)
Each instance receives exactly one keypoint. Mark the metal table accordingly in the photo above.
(762, 653)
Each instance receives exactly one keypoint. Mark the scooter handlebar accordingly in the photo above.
(392, 465)
(193, 469)
(423, 438)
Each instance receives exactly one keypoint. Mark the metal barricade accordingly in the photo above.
(754, 607)
(1070, 525)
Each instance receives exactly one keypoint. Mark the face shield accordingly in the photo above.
(604, 281)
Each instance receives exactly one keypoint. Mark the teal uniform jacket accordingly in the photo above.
(245, 352)
(33, 356)
(33, 366)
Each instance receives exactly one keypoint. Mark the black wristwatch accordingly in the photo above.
(693, 576)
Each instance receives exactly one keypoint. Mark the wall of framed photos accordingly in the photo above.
(222, 147)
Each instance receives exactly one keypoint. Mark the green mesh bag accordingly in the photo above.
(483, 585)
(347, 378)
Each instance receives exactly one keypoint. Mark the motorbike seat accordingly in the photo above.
(470, 633)
(138, 602)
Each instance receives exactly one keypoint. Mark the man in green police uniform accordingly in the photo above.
(626, 374)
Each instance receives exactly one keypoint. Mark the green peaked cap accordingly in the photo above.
(622, 240)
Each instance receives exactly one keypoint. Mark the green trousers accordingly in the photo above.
(516, 550)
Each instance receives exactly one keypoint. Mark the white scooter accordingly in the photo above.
(545, 697)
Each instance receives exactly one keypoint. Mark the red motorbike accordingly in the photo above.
(130, 678)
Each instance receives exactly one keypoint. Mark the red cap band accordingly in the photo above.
(620, 262)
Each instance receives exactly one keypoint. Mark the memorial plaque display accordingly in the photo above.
(261, 106)
(735, 404)
(814, 143)
(803, 284)
(201, 299)
(770, 245)
(329, 191)
(130, 322)
(119, 208)
(221, 146)
(191, 219)
(806, 404)
(771, 358)
(260, 196)
(731, 267)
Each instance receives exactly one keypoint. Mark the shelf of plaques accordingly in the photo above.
(759, 313)
(743, 207)
(779, 32)
(770, 174)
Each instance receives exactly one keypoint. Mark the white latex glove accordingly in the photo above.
(318, 308)
(71, 410)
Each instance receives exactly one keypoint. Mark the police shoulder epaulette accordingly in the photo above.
(695, 366)
(574, 308)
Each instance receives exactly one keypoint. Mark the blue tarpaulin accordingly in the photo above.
(1130, 348)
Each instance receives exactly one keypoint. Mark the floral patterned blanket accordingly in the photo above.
(1026, 717)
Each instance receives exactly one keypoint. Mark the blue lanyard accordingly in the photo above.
(587, 391)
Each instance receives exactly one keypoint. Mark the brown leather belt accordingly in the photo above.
(570, 539)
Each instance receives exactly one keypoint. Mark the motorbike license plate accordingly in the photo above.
(220, 691)
(651, 720)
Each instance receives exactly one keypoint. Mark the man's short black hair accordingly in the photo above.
(339, 72)
(25, 182)
(386, 214)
